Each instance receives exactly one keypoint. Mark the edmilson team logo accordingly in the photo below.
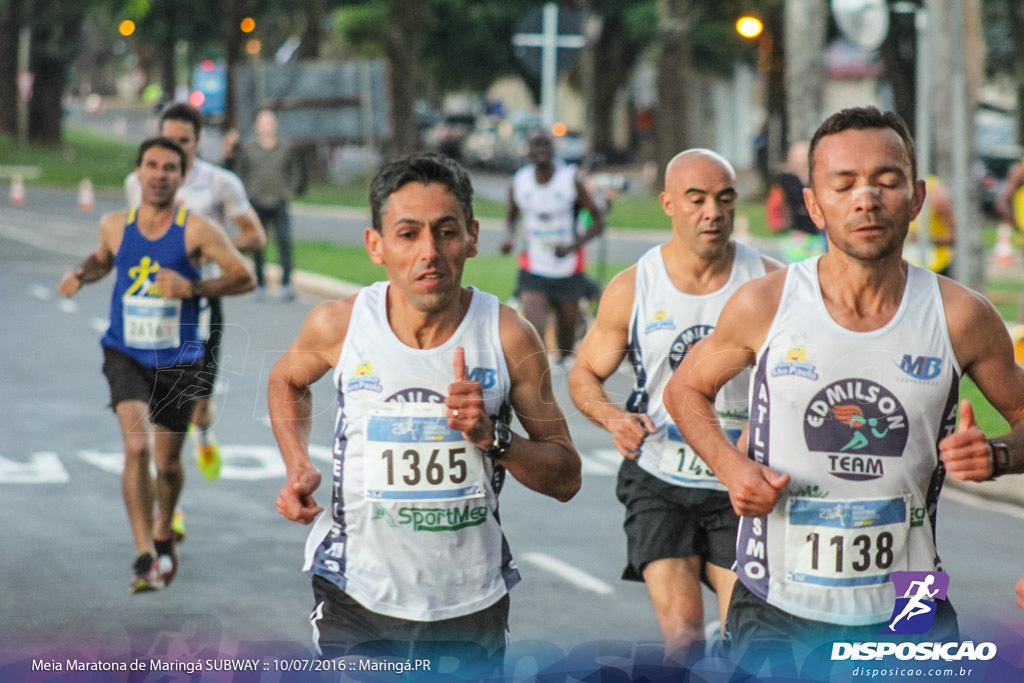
(917, 594)
(686, 339)
(856, 423)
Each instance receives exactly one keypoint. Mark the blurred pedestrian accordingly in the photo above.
(271, 172)
(787, 212)
(941, 224)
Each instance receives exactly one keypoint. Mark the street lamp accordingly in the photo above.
(749, 27)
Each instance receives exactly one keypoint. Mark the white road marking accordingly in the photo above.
(36, 239)
(99, 324)
(39, 292)
(41, 468)
(566, 571)
(67, 306)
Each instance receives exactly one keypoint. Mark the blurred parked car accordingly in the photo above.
(449, 136)
(573, 147)
(995, 140)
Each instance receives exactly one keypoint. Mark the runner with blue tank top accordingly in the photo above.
(857, 359)
(218, 195)
(409, 559)
(152, 352)
(680, 527)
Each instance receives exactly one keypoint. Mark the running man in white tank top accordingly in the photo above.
(547, 194)
(857, 361)
(680, 526)
(410, 548)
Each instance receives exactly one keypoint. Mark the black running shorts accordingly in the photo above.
(343, 627)
(170, 392)
(572, 288)
(666, 521)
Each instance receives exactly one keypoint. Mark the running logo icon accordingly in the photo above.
(917, 594)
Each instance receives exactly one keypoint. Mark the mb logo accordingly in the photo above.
(916, 596)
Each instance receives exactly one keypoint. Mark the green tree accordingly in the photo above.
(11, 12)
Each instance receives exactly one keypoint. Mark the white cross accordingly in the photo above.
(548, 40)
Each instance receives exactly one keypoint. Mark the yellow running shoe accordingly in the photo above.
(207, 455)
(178, 525)
(145, 575)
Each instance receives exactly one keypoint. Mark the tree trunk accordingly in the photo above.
(403, 44)
(56, 38)
(10, 25)
(899, 52)
(168, 77)
(772, 49)
(614, 57)
(235, 11)
(806, 22)
(44, 111)
(313, 32)
(674, 82)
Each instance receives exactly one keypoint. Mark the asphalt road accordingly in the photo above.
(65, 548)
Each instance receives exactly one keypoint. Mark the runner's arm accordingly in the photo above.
(600, 355)
(511, 220)
(545, 460)
(100, 262)
(250, 236)
(597, 222)
(229, 189)
(206, 240)
(985, 353)
(311, 356)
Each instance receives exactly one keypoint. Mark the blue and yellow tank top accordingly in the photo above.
(156, 331)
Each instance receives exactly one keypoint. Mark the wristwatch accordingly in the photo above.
(502, 439)
(1000, 458)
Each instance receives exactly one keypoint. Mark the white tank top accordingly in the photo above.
(413, 531)
(855, 419)
(664, 325)
(549, 219)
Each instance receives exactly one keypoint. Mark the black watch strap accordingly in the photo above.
(1000, 454)
(502, 439)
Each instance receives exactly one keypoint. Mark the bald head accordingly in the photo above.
(700, 199)
(687, 161)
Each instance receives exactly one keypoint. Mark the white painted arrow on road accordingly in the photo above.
(41, 468)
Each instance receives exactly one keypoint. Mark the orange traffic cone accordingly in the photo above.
(1004, 245)
(17, 190)
(86, 197)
